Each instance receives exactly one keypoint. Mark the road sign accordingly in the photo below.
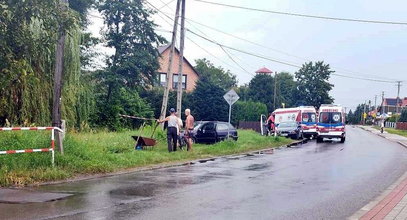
(231, 97)
(364, 115)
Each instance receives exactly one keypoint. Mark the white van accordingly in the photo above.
(331, 123)
(308, 120)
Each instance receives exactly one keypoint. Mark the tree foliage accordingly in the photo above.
(403, 116)
(129, 30)
(261, 89)
(207, 102)
(313, 85)
(247, 111)
(216, 75)
(28, 34)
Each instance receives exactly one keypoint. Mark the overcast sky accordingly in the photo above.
(356, 49)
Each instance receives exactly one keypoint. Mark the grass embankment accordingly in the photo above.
(394, 131)
(104, 152)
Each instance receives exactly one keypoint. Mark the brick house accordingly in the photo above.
(189, 76)
(390, 105)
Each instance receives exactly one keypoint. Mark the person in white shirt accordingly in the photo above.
(172, 129)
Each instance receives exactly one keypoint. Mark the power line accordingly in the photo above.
(165, 4)
(166, 15)
(230, 57)
(305, 15)
(272, 49)
(283, 62)
(196, 44)
(267, 58)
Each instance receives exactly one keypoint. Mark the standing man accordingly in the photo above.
(189, 128)
(172, 137)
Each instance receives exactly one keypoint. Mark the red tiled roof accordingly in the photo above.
(264, 70)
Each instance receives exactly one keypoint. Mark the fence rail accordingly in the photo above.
(52, 144)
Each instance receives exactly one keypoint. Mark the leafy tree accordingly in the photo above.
(154, 97)
(130, 32)
(243, 92)
(28, 34)
(216, 75)
(261, 89)
(207, 102)
(286, 88)
(313, 84)
(356, 116)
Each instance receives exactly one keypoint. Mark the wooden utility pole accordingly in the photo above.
(275, 90)
(375, 103)
(181, 60)
(59, 66)
(398, 97)
(382, 107)
(169, 69)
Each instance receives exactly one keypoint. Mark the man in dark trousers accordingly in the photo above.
(172, 136)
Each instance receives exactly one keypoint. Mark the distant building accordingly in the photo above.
(390, 105)
(189, 75)
(264, 71)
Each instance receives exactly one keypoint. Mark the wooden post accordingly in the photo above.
(181, 60)
(59, 66)
(169, 69)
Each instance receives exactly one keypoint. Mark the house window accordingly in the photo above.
(175, 81)
(163, 79)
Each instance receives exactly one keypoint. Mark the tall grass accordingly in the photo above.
(103, 152)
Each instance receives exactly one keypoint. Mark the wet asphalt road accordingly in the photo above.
(311, 181)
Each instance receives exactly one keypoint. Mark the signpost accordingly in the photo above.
(231, 97)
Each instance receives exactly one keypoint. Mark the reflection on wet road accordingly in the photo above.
(311, 181)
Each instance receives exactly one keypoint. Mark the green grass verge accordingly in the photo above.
(394, 131)
(104, 152)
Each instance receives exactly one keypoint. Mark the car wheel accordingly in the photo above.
(343, 140)
(319, 140)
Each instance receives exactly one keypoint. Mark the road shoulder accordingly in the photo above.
(392, 203)
(391, 137)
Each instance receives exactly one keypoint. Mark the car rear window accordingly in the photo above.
(222, 127)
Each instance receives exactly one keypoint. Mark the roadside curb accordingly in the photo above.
(365, 209)
(402, 144)
(269, 150)
(383, 136)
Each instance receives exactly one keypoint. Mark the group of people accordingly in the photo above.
(174, 129)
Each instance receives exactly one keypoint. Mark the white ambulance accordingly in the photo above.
(331, 123)
(308, 121)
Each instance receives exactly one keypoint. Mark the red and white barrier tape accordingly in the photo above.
(30, 129)
(52, 149)
(26, 151)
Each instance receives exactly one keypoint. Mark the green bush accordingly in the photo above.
(248, 111)
(403, 116)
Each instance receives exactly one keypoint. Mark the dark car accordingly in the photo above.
(213, 131)
(290, 129)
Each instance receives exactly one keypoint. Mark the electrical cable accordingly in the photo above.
(305, 15)
(272, 49)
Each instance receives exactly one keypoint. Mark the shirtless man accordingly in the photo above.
(189, 128)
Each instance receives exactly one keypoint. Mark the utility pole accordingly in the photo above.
(382, 107)
(181, 60)
(59, 67)
(398, 97)
(363, 114)
(375, 103)
(275, 90)
(169, 69)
